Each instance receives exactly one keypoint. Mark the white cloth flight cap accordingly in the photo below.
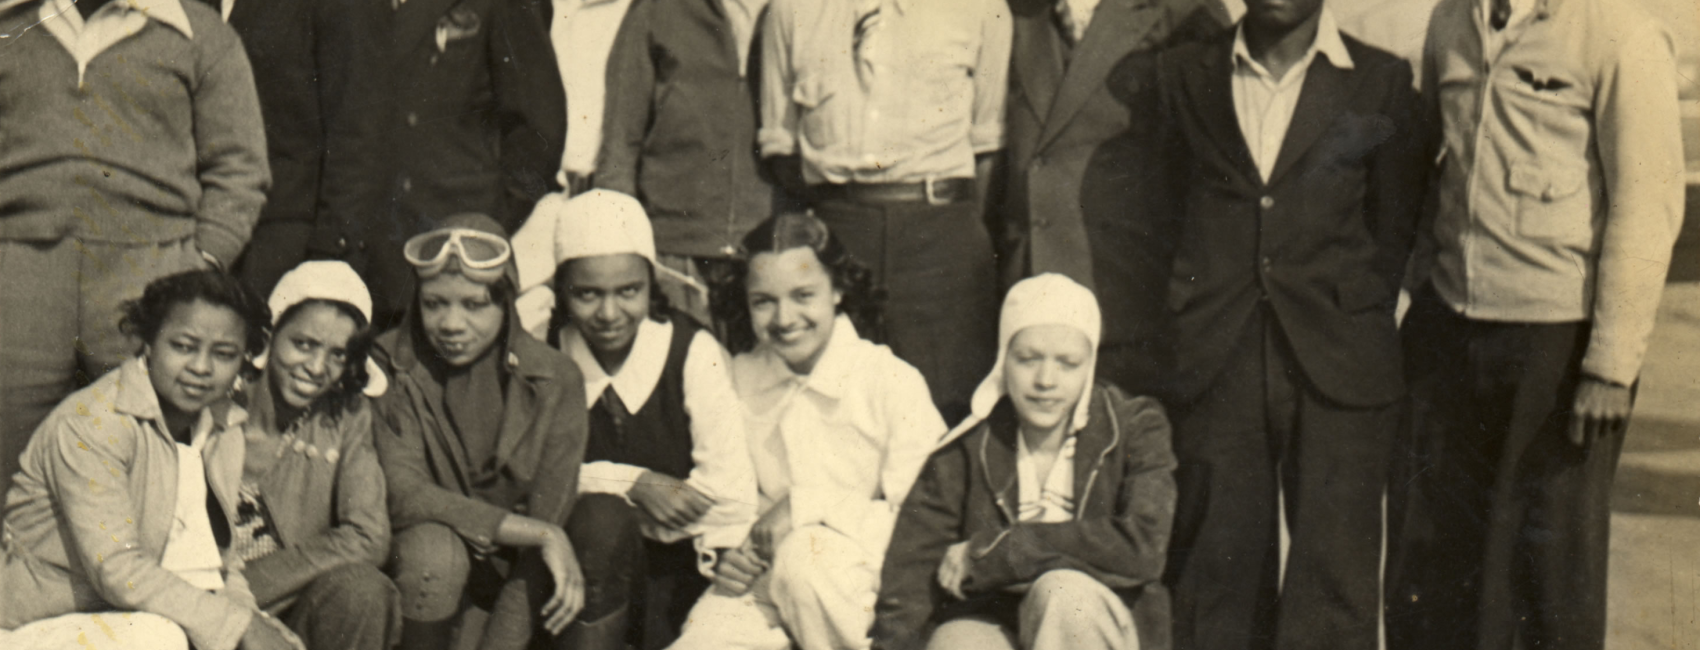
(326, 280)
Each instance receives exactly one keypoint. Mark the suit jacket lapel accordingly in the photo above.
(1118, 27)
(1037, 62)
(1322, 99)
(1211, 89)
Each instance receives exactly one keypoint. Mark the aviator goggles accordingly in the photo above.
(481, 254)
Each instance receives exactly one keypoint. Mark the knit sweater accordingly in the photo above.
(160, 139)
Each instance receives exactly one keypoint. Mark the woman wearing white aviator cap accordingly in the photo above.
(311, 524)
(481, 436)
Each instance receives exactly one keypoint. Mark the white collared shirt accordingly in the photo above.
(845, 442)
(720, 460)
(1048, 499)
(583, 33)
(1264, 103)
(114, 22)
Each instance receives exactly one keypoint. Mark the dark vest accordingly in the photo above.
(658, 436)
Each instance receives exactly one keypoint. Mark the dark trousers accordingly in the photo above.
(624, 573)
(1504, 526)
(353, 607)
(280, 246)
(1262, 423)
(442, 581)
(935, 265)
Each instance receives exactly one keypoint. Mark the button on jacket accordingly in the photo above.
(680, 127)
(934, 97)
(1561, 190)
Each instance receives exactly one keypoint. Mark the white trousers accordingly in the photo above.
(108, 631)
(820, 593)
(1063, 610)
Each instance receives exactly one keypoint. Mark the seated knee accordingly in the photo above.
(1071, 590)
(604, 529)
(804, 561)
(359, 589)
(430, 566)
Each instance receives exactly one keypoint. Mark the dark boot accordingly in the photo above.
(609, 633)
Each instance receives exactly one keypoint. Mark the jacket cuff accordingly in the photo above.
(776, 142)
(476, 521)
(1615, 368)
(989, 564)
(218, 241)
(232, 624)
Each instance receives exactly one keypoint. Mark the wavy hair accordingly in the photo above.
(344, 396)
(862, 302)
(145, 316)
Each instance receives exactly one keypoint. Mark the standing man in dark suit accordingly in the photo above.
(1302, 168)
(475, 122)
(1061, 114)
(310, 60)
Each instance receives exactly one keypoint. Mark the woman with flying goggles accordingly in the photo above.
(481, 436)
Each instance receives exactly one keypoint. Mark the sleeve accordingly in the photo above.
(1425, 247)
(778, 134)
(608, 477)
(991, 78)
(89, 482)
(630, 89)
(913, 428)
(361, 532)
(349, 64)
(1123, 550)
(230, 147)
(720, 453)
(414, 496)
(929, 523)
(1398, 171)
(1639, 135)
(530, 107)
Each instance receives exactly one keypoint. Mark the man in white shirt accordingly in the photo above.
(1298, 167)
(583, 33)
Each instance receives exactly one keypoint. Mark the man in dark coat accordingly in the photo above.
(475, 121)
(1301, 163)
(1077, 159)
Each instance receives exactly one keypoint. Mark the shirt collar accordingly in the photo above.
(136, 398)
(1328, 43)
(832, 372)
(167, 12)
(638, 376)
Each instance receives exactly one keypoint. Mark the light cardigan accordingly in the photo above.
(89, 514)
(845, 442)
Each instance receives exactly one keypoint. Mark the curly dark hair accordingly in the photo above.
(344, 397)
(862, 301)
(660, 308)
(144, 317)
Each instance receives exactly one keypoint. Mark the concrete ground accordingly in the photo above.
(1655, 547)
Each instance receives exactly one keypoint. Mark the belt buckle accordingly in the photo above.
(932, 197)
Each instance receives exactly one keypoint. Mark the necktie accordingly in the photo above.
(616, 409)
(867, 21)
(1500, 15)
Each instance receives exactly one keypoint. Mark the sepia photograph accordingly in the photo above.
(849, 324)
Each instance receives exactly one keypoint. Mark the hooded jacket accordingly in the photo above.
(1125, 496)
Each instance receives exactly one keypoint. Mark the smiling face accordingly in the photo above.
(792, 305)
(194, 358)
(607, 298)
(460, 318)
(1045, 371)
(310, 353)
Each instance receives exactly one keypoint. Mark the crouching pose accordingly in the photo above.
(311, 527)
(1043, 523)
(117, 527)
(839, 428)
(667, 470)
(480, 437)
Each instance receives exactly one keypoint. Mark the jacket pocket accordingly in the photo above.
(1552, 203)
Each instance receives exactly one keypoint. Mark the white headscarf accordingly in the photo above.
(1045, 299)
(598, 222)
(326, 280)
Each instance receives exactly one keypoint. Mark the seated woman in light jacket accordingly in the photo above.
(311, 526)
(838, 429)
(667, 471)
(1043, 523)
(480, 435)
(128, 489)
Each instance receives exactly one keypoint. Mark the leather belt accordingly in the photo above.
(935, 191)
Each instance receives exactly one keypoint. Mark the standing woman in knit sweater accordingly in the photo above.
(480, 437)
(311, 524)
(131, 148)
(128, 488)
